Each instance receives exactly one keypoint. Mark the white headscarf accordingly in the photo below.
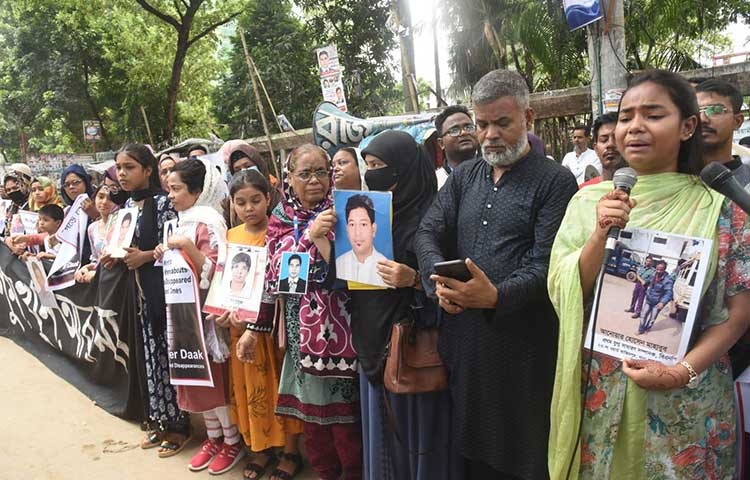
(207, 208)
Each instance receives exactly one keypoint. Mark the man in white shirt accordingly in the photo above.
(359, 264)
(582, 156)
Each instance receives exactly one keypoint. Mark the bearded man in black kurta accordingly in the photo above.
(499, 337)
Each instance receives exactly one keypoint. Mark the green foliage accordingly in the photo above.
(62, 62)
(281, 47)
(531, 36)
(672, 34)
(358, 29)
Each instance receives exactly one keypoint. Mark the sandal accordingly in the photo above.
(259, 470)
(295, 458)
(153, 439)
(172, 445)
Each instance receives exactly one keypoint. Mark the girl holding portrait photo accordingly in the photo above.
(255, 365)
(196, 190)
(99, 233)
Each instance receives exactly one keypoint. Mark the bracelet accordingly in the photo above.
(416, 279)
(691, 372)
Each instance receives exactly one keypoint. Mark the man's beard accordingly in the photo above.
(511, 155)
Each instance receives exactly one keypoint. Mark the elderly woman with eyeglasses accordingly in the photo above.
(318, 378)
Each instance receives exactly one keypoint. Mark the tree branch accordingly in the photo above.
(160, 15)
(211, 28)
(176, 6)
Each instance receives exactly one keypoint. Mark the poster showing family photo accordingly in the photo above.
(363, 235)
(122, 236)
(238, 282)
(39, 282)
(650, 296)
(293, 273)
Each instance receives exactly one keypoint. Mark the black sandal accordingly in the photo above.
(295, 458)
(259, 470)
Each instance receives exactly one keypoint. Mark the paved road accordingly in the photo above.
(51, 431)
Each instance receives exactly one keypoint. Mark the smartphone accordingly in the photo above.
(455, 269)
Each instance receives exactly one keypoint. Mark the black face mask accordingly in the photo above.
(381, 179)
(119, 197)
(18, 197)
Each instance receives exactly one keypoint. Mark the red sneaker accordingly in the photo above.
(209, 449)
(226, 459)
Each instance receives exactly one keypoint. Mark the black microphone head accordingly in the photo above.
(624, 179)
(715, 175)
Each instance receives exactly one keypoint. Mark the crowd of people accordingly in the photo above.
(531, 232)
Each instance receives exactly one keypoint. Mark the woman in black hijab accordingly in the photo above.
(416, 438)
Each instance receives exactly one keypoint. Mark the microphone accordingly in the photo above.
(624, 180)
(721, 179)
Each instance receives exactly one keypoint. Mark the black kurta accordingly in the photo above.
(501, 361)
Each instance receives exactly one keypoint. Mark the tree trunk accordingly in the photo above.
(92, 103)
(174, 83)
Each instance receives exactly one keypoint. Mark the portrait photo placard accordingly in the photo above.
(122, 236)
(650, 296)
(293, 273)
(39, 282)
(238, 283)
(363, 235)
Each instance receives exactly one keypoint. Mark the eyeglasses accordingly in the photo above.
(459, 129)
(713, 110)
(306, 175)
(72, 183)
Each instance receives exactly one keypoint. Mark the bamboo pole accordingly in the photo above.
(265, 92)
(258, 103)
(148, 128)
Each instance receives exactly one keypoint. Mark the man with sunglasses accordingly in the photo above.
(720, 104)
(457, 137)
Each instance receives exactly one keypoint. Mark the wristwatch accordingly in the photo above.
(691, 373)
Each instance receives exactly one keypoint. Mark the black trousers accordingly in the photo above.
(477, 470)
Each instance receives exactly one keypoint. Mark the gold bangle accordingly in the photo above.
(691, 371)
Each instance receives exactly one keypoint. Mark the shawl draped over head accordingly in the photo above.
(53, 198)
(82, 174)
(207, 208)
(415, 188)
(361, 165)
(668, 202)
(325, 344)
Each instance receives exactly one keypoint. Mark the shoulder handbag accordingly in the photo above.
(413, 364)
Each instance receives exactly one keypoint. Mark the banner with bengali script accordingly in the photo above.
(91, 340)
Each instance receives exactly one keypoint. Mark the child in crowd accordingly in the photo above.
(99, 233)
(196, 190)
(48, 222)
(255, 365)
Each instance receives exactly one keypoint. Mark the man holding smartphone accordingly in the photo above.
(501, 213)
